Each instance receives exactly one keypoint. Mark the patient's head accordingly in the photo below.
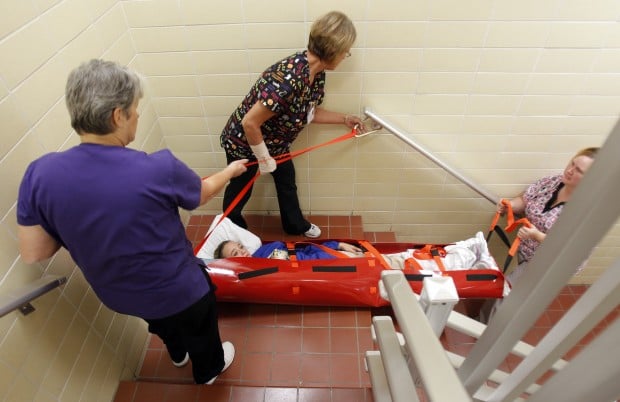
(229, 248)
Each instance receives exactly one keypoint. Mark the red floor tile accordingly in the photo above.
(315, 317)
(315, 340)
(247, 394)
(315, 395)
(214, 393)
(315, 370)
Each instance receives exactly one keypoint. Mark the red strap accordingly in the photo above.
(291, 155)
(225, 214)
(279, 159)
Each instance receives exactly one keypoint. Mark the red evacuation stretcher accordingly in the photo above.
(349, 281)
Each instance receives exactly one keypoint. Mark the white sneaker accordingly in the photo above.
(229, 356)
(313, 232)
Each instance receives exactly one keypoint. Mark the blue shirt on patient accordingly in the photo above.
(303, 252)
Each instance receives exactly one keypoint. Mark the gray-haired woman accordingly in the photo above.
(115, 210)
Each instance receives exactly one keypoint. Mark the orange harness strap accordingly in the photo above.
(373, 254)
(292, 254)
(511, 225)
(429, 251)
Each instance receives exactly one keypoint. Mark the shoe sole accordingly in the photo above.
(226, 365)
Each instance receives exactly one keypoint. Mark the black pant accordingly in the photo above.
(293, 221)
(195, 331)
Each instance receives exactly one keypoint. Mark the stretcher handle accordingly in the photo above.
(517, 242)
(497, 229)
(509, 214)
(511, 225)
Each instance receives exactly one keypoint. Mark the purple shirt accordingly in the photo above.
(116, 210)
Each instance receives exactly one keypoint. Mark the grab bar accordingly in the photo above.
(20, 299)
(391, 128)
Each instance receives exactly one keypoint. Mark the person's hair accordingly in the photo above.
(219, 250)
(331, 35)
(589, 152)
(94, 90)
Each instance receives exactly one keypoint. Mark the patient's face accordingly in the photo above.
(234, 249)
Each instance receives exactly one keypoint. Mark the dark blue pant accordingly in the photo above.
(293, 221)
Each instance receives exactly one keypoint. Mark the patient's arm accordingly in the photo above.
(349, 248)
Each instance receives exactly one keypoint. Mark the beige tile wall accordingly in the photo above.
(503, 91)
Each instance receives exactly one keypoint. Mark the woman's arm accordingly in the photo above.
(213, 184)
(35, 244)
(531, 233)
(253, 120)
(323, 116)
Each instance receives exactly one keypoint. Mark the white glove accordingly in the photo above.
(266, 163)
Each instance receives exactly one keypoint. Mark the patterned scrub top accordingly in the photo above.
(538, 211)
(285, 89)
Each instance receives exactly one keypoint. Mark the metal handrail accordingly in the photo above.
(401, 135)
(19, 299)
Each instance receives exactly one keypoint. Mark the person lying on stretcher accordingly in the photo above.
(466, 254)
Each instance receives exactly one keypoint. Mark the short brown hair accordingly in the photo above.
(331, 35)
(589, 152)
(219, 250)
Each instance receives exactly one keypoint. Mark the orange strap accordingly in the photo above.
(511, 225)
(431, 251)
(292, 256)
(291, 155)
(509, 214)
(373, 254)
(413, 264)
(515, 245)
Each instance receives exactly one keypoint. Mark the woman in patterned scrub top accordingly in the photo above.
(542, 203)
(285, 98)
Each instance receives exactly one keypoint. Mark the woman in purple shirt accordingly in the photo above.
(116, 210)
